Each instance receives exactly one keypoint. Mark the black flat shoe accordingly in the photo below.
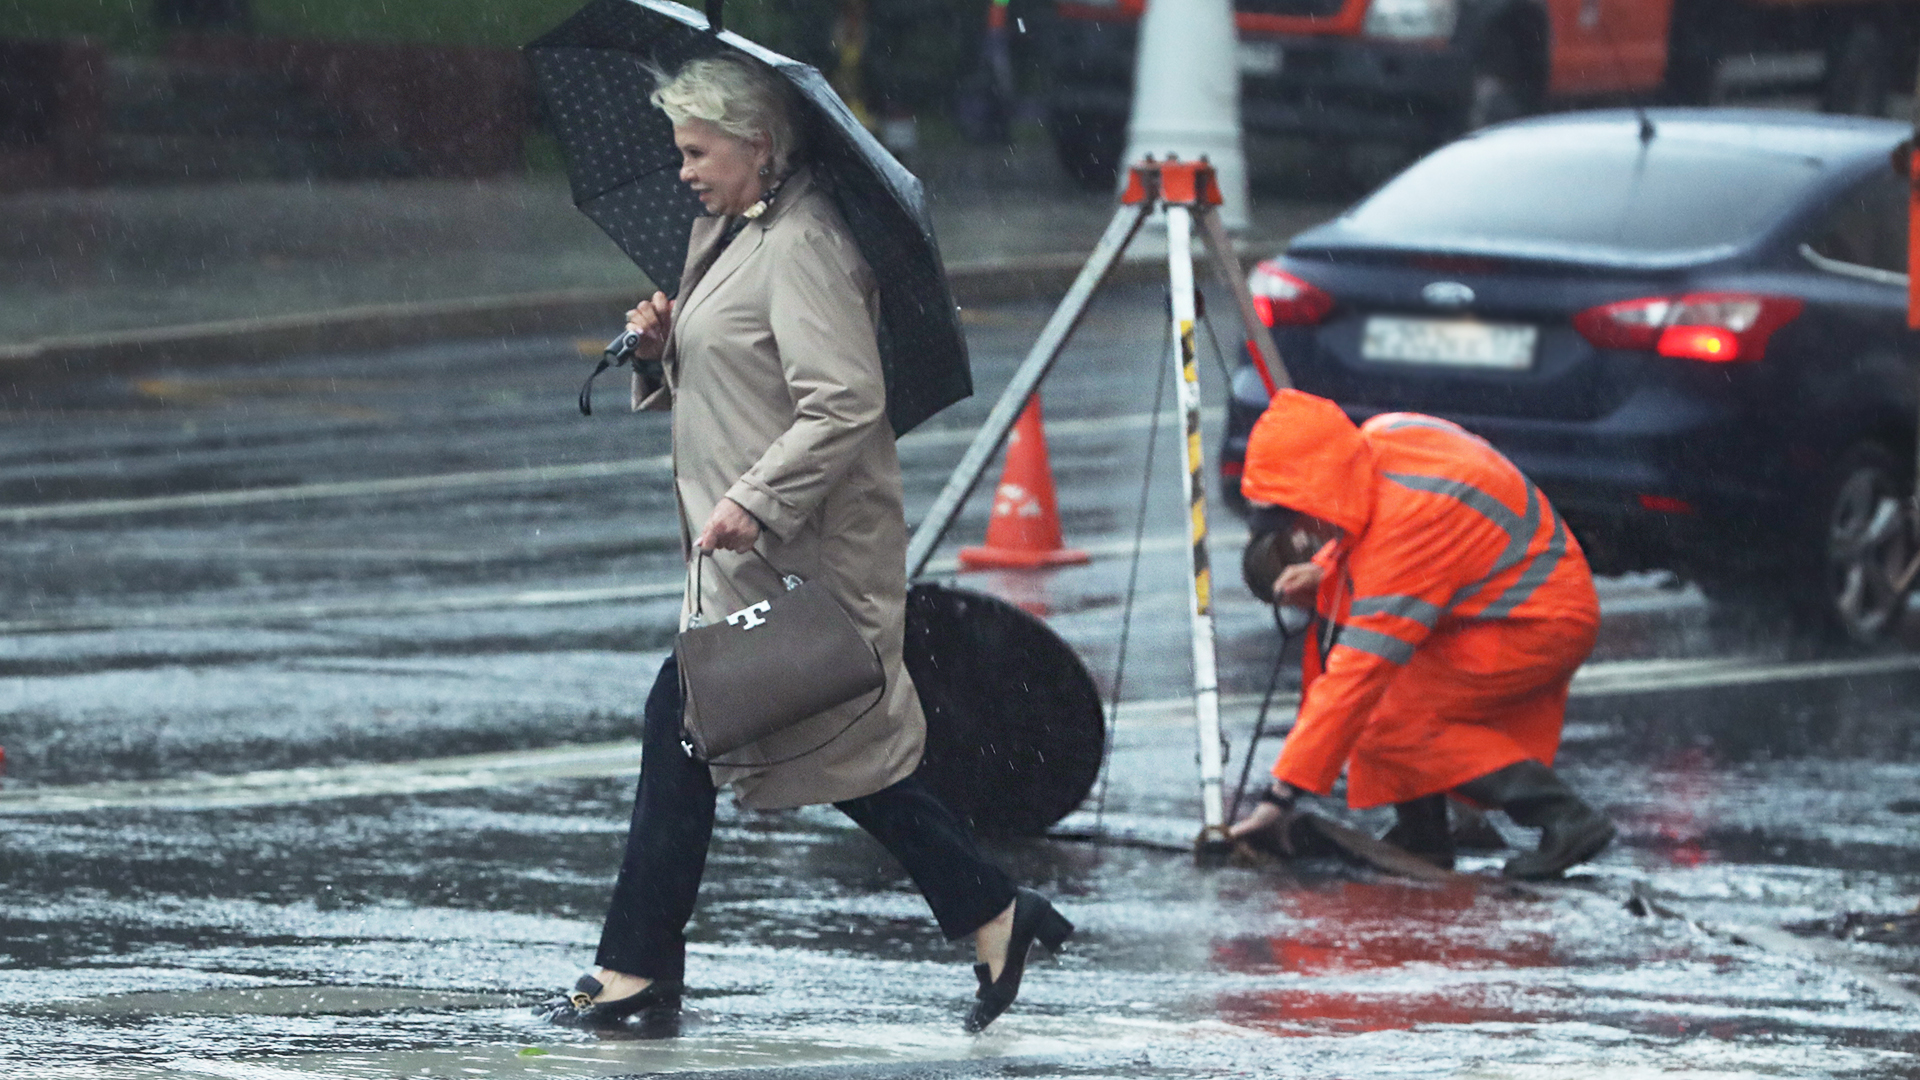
(579, 1009)
(1034, 919)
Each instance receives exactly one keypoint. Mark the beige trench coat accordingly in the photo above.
(773, 375)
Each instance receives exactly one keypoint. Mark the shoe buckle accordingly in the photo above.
(581, 1000)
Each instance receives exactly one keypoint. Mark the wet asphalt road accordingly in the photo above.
(355, 568)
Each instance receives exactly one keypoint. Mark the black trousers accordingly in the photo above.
(645, 931)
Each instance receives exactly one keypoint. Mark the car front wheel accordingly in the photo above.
(1862, 545)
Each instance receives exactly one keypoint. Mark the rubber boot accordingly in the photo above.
(1421, 830)
(1473, 830)
(1570, 830)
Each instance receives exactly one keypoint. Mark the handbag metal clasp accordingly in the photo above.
(749, 617)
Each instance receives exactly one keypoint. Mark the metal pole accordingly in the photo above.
(1206, 677)
(1053, 338)
(1266, 355)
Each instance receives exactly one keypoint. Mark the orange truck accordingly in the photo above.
(1421, 71)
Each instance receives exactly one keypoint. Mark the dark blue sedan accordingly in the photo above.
(1688, 327)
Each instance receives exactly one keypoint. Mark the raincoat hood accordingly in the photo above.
(1306, 455)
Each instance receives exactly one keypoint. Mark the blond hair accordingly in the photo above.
(741, 97)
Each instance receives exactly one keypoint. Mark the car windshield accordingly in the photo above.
(1588, 190)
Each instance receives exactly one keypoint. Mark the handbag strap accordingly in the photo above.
(791, 581)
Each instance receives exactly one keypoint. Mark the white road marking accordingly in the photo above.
(542, 474)
(340, 489)
(310, 610)
(278, 786)
(616, 759)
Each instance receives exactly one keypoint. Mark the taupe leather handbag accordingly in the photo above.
(770, 665)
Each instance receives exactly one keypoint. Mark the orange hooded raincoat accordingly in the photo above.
(1453, 611)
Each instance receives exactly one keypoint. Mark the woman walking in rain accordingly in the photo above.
(783, 457)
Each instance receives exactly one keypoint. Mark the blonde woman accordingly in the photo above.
(783, 457)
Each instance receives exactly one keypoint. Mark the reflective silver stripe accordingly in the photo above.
(1518, 540)
(1385, 646)
(1405, 607)
(1537, 572)
(1519, 529)
(1459, 490)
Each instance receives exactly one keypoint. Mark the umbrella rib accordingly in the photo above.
(624, 181)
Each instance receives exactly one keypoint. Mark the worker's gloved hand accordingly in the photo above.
(1276, 804)
(1297, 584)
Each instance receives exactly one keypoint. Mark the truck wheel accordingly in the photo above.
(1856, 547)
(1089, 147)
(1859, 74)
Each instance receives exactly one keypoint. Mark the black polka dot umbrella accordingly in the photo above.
(593, 73)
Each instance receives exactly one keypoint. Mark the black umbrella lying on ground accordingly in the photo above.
(593, 73)
(1015, 734)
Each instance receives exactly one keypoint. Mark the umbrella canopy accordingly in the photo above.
(1015, 734)
(593, 73)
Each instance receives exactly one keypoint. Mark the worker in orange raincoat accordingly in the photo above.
(1452, 609)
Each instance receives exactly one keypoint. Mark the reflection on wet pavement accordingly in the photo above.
(382, 937)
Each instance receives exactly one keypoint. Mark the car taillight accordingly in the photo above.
(1716, 327)
(1280, 299)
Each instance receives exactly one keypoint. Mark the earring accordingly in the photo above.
(766, 170)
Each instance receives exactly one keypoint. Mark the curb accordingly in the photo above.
(377, 326)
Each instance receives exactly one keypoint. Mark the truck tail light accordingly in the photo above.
(1713, 326)
(1280, 299)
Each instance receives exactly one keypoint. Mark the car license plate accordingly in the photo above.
(1452, 342)
(1261, 58)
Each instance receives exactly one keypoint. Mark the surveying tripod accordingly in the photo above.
(1190, 194)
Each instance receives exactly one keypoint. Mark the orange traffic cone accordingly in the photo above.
(1024, 531)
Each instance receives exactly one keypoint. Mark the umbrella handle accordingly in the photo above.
(713, 14)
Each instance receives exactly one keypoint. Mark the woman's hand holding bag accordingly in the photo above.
(769, 666)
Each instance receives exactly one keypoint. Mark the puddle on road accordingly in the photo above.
(845, 1045)
(187, 947)
(278, 1001)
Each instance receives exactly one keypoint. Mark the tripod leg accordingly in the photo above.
(1053, 337)
(1206, 677)
(1266, 355)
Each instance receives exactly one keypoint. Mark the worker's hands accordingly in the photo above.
(1298, 584)
(652, 318)
(1275, 803)
(729, 527)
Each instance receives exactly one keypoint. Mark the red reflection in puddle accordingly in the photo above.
(1681, 815)
(1370, 929)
